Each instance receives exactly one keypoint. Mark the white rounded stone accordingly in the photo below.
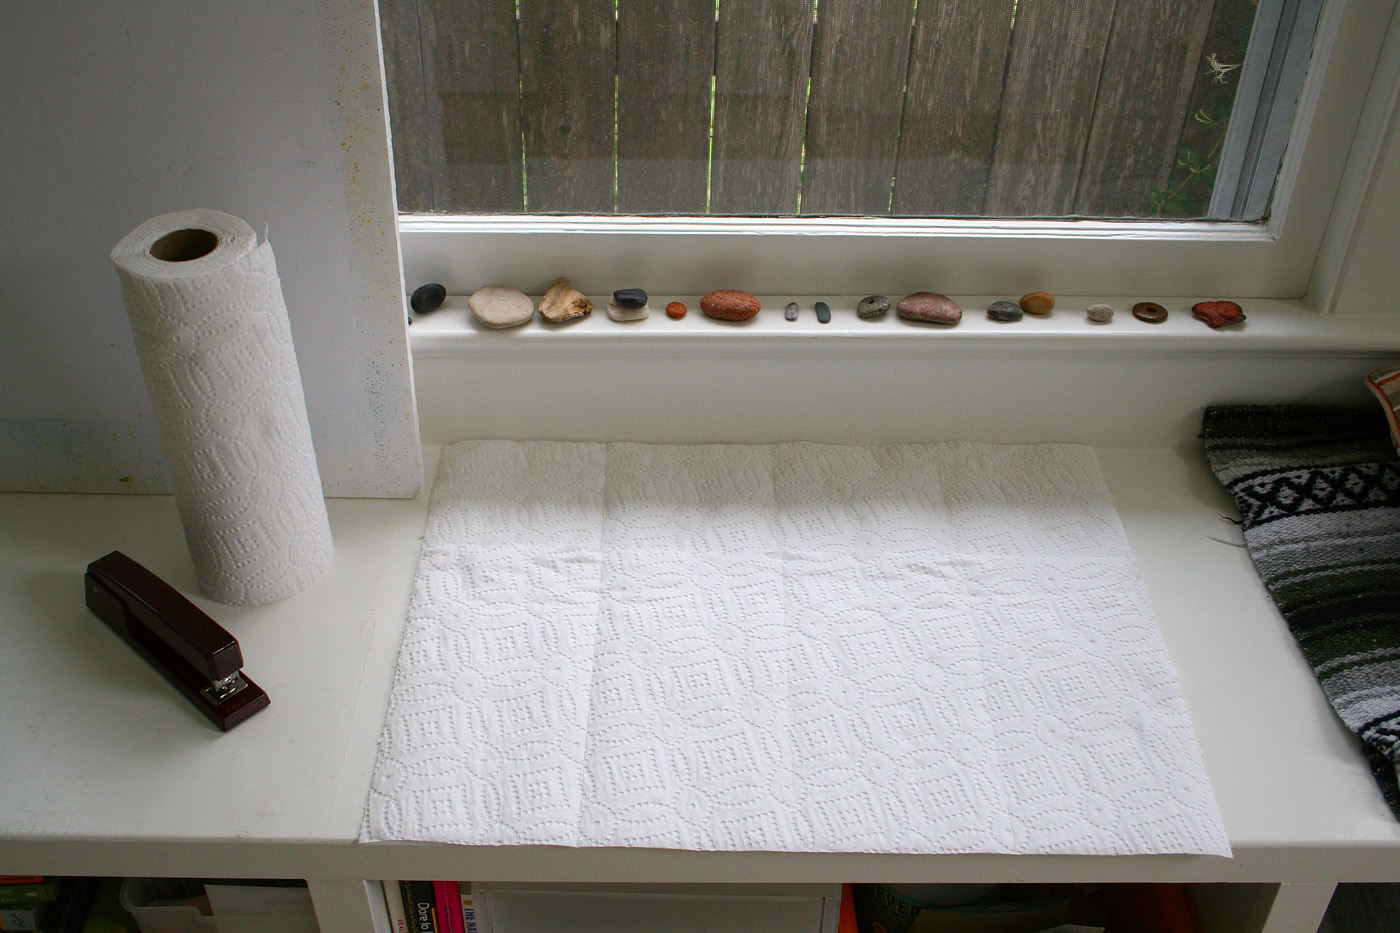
(501, 306)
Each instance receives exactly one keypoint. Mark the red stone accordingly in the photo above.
(1218, 313)
(729, 304)
(675, 310)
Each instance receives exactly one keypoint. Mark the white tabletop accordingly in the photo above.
(106, 767)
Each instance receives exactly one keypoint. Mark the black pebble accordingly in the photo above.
(427, 298)
(630, 298)
(823, 312)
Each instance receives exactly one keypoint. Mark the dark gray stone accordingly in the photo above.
(427, 298)
(630, 298)
(823, 312)
(1005, 311)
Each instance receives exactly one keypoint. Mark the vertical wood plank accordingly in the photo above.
(407, 90)
(859, 59)
(957, 64)
(1048, 106)
(763, 55)
(568, 52)
(1146, 82)
(1227, 39)
(476, 71)
(665, 58)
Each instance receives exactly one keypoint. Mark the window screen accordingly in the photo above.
(783, 108)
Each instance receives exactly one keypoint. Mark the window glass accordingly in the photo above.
(783, 108)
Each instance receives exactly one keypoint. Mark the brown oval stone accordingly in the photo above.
(676, 310)
(1218, 313)
(729, 304)
(1149, 311)
(930, 307)
(1037, 303)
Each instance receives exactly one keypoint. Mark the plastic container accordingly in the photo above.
(236, 908)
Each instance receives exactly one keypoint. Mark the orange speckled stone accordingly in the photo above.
(729, 304)
(1037, 303)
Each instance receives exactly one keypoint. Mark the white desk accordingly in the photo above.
(107, 771)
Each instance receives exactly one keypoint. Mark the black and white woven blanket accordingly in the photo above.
(1319, 493)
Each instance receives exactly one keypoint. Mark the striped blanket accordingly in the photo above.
(1319, 493)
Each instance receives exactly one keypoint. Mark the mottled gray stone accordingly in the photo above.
(790, 312)
(872, 306)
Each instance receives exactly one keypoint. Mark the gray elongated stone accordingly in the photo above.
(823, 312)
(790, 312)
(872, 306)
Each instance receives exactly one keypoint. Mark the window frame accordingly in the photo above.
(804, 256)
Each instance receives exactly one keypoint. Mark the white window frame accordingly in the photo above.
(1321, 192)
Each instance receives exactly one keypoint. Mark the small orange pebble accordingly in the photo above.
(676, 310)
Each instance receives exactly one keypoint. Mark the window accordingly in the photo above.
(513, 116)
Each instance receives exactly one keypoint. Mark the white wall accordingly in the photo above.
(116, 112)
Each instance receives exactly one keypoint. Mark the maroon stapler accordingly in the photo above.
(190, 649)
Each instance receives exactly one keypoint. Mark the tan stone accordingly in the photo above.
(562, 302)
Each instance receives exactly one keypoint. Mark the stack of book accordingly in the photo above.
(436, 907)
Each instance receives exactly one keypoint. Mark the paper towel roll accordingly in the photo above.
(215, 347)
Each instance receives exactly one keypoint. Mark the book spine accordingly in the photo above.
(393, 900)
(448, 898)
(476, 910)
(420, 906)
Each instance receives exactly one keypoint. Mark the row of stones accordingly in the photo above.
(500, 306)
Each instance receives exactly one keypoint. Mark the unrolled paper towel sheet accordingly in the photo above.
(908, 648)
(215, 348)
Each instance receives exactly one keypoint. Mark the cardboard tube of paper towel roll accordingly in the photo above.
(215, 348)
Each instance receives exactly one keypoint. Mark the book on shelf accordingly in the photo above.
(448, 898)
(393, 901)
(420, 906)
(476, 909)
(436, 907)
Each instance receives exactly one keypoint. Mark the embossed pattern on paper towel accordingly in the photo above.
(905, 648)
(221, 372)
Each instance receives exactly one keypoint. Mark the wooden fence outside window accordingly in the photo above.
(934, 108)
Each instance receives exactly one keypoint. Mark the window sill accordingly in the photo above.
(1272, 328)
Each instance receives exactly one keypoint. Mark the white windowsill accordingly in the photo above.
(1272, 328)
